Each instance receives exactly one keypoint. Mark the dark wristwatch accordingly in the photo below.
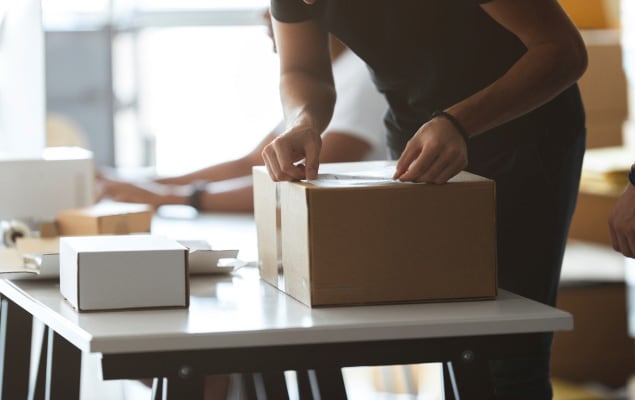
(631, 175)
(195, 199)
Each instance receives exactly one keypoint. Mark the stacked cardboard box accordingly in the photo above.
(605, 96)
(604, 177)
(604, 89)
(600, 314)
(593, 14)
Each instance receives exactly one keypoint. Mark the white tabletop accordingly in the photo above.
(586, 262)
(243, 311)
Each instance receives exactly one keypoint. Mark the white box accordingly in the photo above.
(37, 188)
(123, 272)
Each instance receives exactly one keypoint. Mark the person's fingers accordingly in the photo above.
(433, 172)
(418, 168)
(271, 162)
(449, 171)
(408, 155)
(456, 162)
(289, 171)
(624, 248)
(312, 160)
(270, 155)
(630, 239)
(613, 233)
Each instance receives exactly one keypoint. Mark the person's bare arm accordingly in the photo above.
(225, 170)
(308, 96)
(343, 147)
(224, 196)
(554, 60)
(336, 147)
(152, 193)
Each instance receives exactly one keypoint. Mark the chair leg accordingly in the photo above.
(15, 350)
(449, 382)
(327, 384)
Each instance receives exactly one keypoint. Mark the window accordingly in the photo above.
(195, 82)
(206, 94)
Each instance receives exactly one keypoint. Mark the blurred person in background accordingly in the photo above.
(355, 133)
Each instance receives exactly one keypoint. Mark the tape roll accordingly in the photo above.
(12, 230)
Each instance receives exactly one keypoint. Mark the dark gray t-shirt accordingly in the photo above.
(427, 55)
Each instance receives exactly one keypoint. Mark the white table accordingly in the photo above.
(241, 324)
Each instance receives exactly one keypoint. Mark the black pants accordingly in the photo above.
(537, 179)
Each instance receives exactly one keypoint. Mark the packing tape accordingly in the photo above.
(12, 230)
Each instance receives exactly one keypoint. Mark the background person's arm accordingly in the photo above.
(225, 170)
(230, 195)
(176, 190)
(336, 147)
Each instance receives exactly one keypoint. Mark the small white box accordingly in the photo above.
(107, 272)
(37, 188)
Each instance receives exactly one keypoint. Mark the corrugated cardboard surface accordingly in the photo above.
(97, 220)
(265, 212)
(590, 219)
(599, 349)
(604, 129)
(593, 14)
(380, 244)
(603, 84)
(603, 88)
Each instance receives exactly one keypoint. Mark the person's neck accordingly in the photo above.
(337, 48)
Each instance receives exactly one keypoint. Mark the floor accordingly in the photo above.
(412, 382)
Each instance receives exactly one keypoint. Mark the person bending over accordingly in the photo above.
(487, 86)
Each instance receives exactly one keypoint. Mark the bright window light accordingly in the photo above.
(206, 94)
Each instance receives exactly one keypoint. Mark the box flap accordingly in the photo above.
(295, 238)
(267, 216)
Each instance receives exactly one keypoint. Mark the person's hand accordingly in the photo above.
(622, 223)
(281, 156)
(128, 192)
(434, 154)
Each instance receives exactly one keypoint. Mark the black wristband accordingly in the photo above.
(631, 175)
(453, 121)
(196, 197)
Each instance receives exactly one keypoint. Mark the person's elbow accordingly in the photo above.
(574, 56)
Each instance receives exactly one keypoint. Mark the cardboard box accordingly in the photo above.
(604, 129)
(42, 255)
(368, 241)
(203, 260)
(123, 272)
(593, 14)
(599, 349)
(604, 89)
(591, 216)
(603, 84)
(107, 218)
(604, 177)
